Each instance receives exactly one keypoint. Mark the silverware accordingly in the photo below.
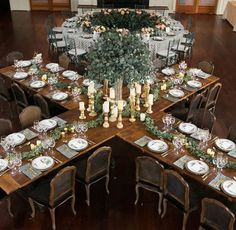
(57, 160)
(4, 172)
(207, 176)
(204, 175)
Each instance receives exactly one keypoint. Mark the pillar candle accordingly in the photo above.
(112, 93)
(106, 107)
(132, 91)
(142, 116)
(138, 88)
(81, 105)
(150, 99)
(120, 105)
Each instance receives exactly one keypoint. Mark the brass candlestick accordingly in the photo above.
(82, 116)
(112, 118)
(89, 103)
(147, 90)
(105, 123)
(137, 106)
(149, 110)
(119, 124)
(105, 89)
(132, 109)
(92, 110)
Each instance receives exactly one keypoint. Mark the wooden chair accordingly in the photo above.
(5, 197)
(42, 104)
(215, 215)
(4, 89)
(232, 133)
(6, 126)
(54, 193)
(94, 169)
(150, 176)
(206, 66)
(14, 55)
(6, 107)
(64, 61)
(177, 191)
(29, 115)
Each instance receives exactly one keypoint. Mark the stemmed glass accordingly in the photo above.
(18, 161)
(221, 161)
(51, 145)
(81, 128)
(16, 65)
(204, 137)
(178, 142)
(168, 121)
(11, 162)
(75, 93)
(4, 144)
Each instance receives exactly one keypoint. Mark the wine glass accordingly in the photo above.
(4, 144)
(178, 142)
(11, 162)
(18, 160)
(16, 65)
(84, 129)
(75, 93)
(221, 161)
(51, 145)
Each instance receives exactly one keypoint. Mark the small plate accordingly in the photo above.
(18, 138)
(20, 75)
(194, 84)
(3, 164)
(48, 123)
(168, 71)
(187, 128)
(77, 144)
(203, 75)
(197, 167)
(176, 93)
(42, 163)
(68, 73)
(59, 96)
(86, 82)
(225, 145)
(157, 146)
(52, 65)
(37, 84)
(229, 187)
(157, 38)
(23, 64)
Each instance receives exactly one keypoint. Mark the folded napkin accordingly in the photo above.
(66, 151)
(216, 182)
(170, 98)
(59, 120)
(182, 161)
(29, 134)
(29, 171)
(143, 141)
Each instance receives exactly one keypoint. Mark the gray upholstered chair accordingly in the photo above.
(206, 66)
(14, 55)
(150, 176)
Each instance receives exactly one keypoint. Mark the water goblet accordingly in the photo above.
(18, 161)
(4, 144)
(221, 161)
(11, 162)
(178, 142)
(51, 145)
(75, 93)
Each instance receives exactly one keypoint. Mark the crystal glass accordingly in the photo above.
(51, 145)
(178, 142)
(4, 144)
(75, 93)
(221, 161)
(204, 137)
(16, 65)
(18, 161)
(11, 162)
(168, 121)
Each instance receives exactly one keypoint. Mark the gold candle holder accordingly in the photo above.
(132, 109)
(82, 116)
(92, 110)
(105, 123)
(112, 118)
(89, 103)
(149, 110)
(119, 124)
(137, 106)
(147, 90)
(105, 89)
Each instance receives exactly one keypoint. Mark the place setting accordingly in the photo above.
(59, 96)
(38, 84)
(15, 139)
(197, 167)
(158, 146)
(174, 95)
(168, 71)
(192, 85)
(187, 128)
(20, 76)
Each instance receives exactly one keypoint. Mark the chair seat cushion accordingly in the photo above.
(164, 53)
(60, 44)
(182, 48)
(78, 52)
(58, 36)
(57, 29)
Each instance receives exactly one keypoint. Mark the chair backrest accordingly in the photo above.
(176, 188)
(98, 163)
(232, 133)
(150, 171)
(51, 19)
(29, 115)
(6, 126)
(4, 89)
(190, 38)
(194, 106)
(42, 104)
(19, 95)
(206, 66)
(62, 186)
(64, 61)
(212, 97)
(171, 47)
(14, 55)
(215, 215)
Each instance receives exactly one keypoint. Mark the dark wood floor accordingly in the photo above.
(24, 31)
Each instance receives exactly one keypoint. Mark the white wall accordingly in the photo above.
(20, 5)
(221, 6)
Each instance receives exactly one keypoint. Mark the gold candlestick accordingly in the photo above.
(137, 106)
(105, 89)
(132, 109)
(119, 124)
(92, 111)
(147, 90)
(82, 116)
(149, 110)
(89, 103)
(112, 118)
(105, 123)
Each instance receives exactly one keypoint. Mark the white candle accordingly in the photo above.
(132, 91)
(106, 107)
(120, 105)
(138, 88)
(112, 93)
(91, 88)
(142, 116)
(115, 111)
(81, 105)
(150, 99)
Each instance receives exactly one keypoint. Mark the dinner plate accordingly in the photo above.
(17, 138)
(52, 65)
(187, 128)
(176, 93)
(20, 75)
(168, 71)
(48, 123)
(202, 74)
(68, 73)
(197, 167)
(86, 82)
(3, 164)
(42, 163)
(37, 84)
(77, 144)
(194, 84)
(193, 72)
(157, 38)
(59, 96)
(225, 145)
(229, 187)
(23, 64)
(157, 146)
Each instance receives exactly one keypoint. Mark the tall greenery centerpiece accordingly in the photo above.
(119, 54)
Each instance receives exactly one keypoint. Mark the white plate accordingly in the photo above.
(3, 164)
(194, 84)
(59, 96)
(48, 123)
(229, 187)
(52, 65)
(168, 71)
(42, 163)
(197, 167)
(87, 36)
(157, 146)
(78, 144)
(187, 128)
(18, 138)
(225, 144)
(86, 82)
(20, 75)
(170, 34)
(157, 38)
(202, 74)
(176, 93)
(24, 63)
(37, 84)
(68, 73)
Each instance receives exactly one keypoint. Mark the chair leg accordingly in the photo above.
(137, 194)
(185, 220)
(87, 187)
(52, 213)
(107, 183)
(73, 204)
(164, 207)
(160, 203)
(31, 202)
(9, 207)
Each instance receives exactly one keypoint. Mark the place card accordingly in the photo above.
(143, 141)
(182, 161)
(170, 98)
(29, 134)
(59, 120)
(216, 182)
(29, 171)
(66, 151)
